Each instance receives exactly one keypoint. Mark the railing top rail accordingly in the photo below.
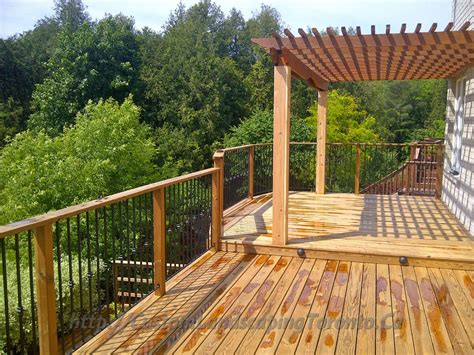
(377, 144)
(231, 149)
(51, 217)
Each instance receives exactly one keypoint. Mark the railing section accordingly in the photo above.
(378, 168)
(68, 274)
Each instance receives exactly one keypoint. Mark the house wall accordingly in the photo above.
(458, 191)
(462, 12)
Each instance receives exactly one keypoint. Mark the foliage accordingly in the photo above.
(346, 121)
(97, 61)
(11, 114)
(107, 151)
(405, 111)
(70, 313)
(258, 128)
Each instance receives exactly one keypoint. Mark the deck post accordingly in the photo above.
(321, 143)
(251, 170)
(439, 170)
(46, 305)
(357, 170)
(217, 201)
(159, 241)
(281, 152)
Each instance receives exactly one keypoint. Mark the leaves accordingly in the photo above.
(108, 150)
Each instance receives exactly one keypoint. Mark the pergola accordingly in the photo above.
(320, 60)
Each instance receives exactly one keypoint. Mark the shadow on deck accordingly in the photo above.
(355, 228)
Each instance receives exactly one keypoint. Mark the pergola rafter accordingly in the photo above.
(386, 56)
(332, 58)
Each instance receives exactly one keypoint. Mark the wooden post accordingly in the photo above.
(321, 144)
(357, 170)
(251, 170)
(159, 241)
(48, 337)
(217, 200)
(439, 170)
(281, 152)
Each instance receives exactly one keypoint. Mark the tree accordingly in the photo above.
(346, 121)
(71, 13)
(194, 89)
(97, 61)
(108, 150)
(258, 128)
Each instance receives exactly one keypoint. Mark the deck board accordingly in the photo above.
(357, 227)
(245, 303)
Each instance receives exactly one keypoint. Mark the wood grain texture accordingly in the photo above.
(366, 57)
(321, 141)
(231, 303)
(357, 228)
(281, 152)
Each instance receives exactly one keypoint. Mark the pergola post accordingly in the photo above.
(321, 143)
(281, 152)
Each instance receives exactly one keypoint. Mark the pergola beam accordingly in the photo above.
(284, 57)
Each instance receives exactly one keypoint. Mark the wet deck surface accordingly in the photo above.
(416, 226)
(247, 303)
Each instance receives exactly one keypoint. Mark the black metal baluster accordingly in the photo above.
(107, 266)
(114, 264)
(140, 243)
(97, 256)
(60, 287)
(152, 242)
(89, 264)
(71, 282)
(120, 273)
(19, 309)
(79, 255)
(134, 249)
(5, 297)
(32, 293)
(129, 275)
(149, 272)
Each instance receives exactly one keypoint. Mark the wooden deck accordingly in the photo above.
(248, 303)
(377, 228)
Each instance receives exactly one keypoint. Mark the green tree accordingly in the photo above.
(108, 150)
(97, 61)
(194, 88)
(258, 128)
(346, 121)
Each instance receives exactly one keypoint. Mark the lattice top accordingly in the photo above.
(388, 56)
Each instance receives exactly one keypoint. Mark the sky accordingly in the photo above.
(17, 16)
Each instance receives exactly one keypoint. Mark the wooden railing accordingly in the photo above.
(94, 261)
(69, 273)
(378, 168)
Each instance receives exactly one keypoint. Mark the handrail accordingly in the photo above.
(51, 217)
(360, 166)
(174, 219)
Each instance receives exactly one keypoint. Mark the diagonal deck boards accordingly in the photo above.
(237, 303)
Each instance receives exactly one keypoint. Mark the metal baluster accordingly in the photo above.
(32, 293)
(5, 296)
(60, 287)
(18, 279)
(71, 281)
(79, 255)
